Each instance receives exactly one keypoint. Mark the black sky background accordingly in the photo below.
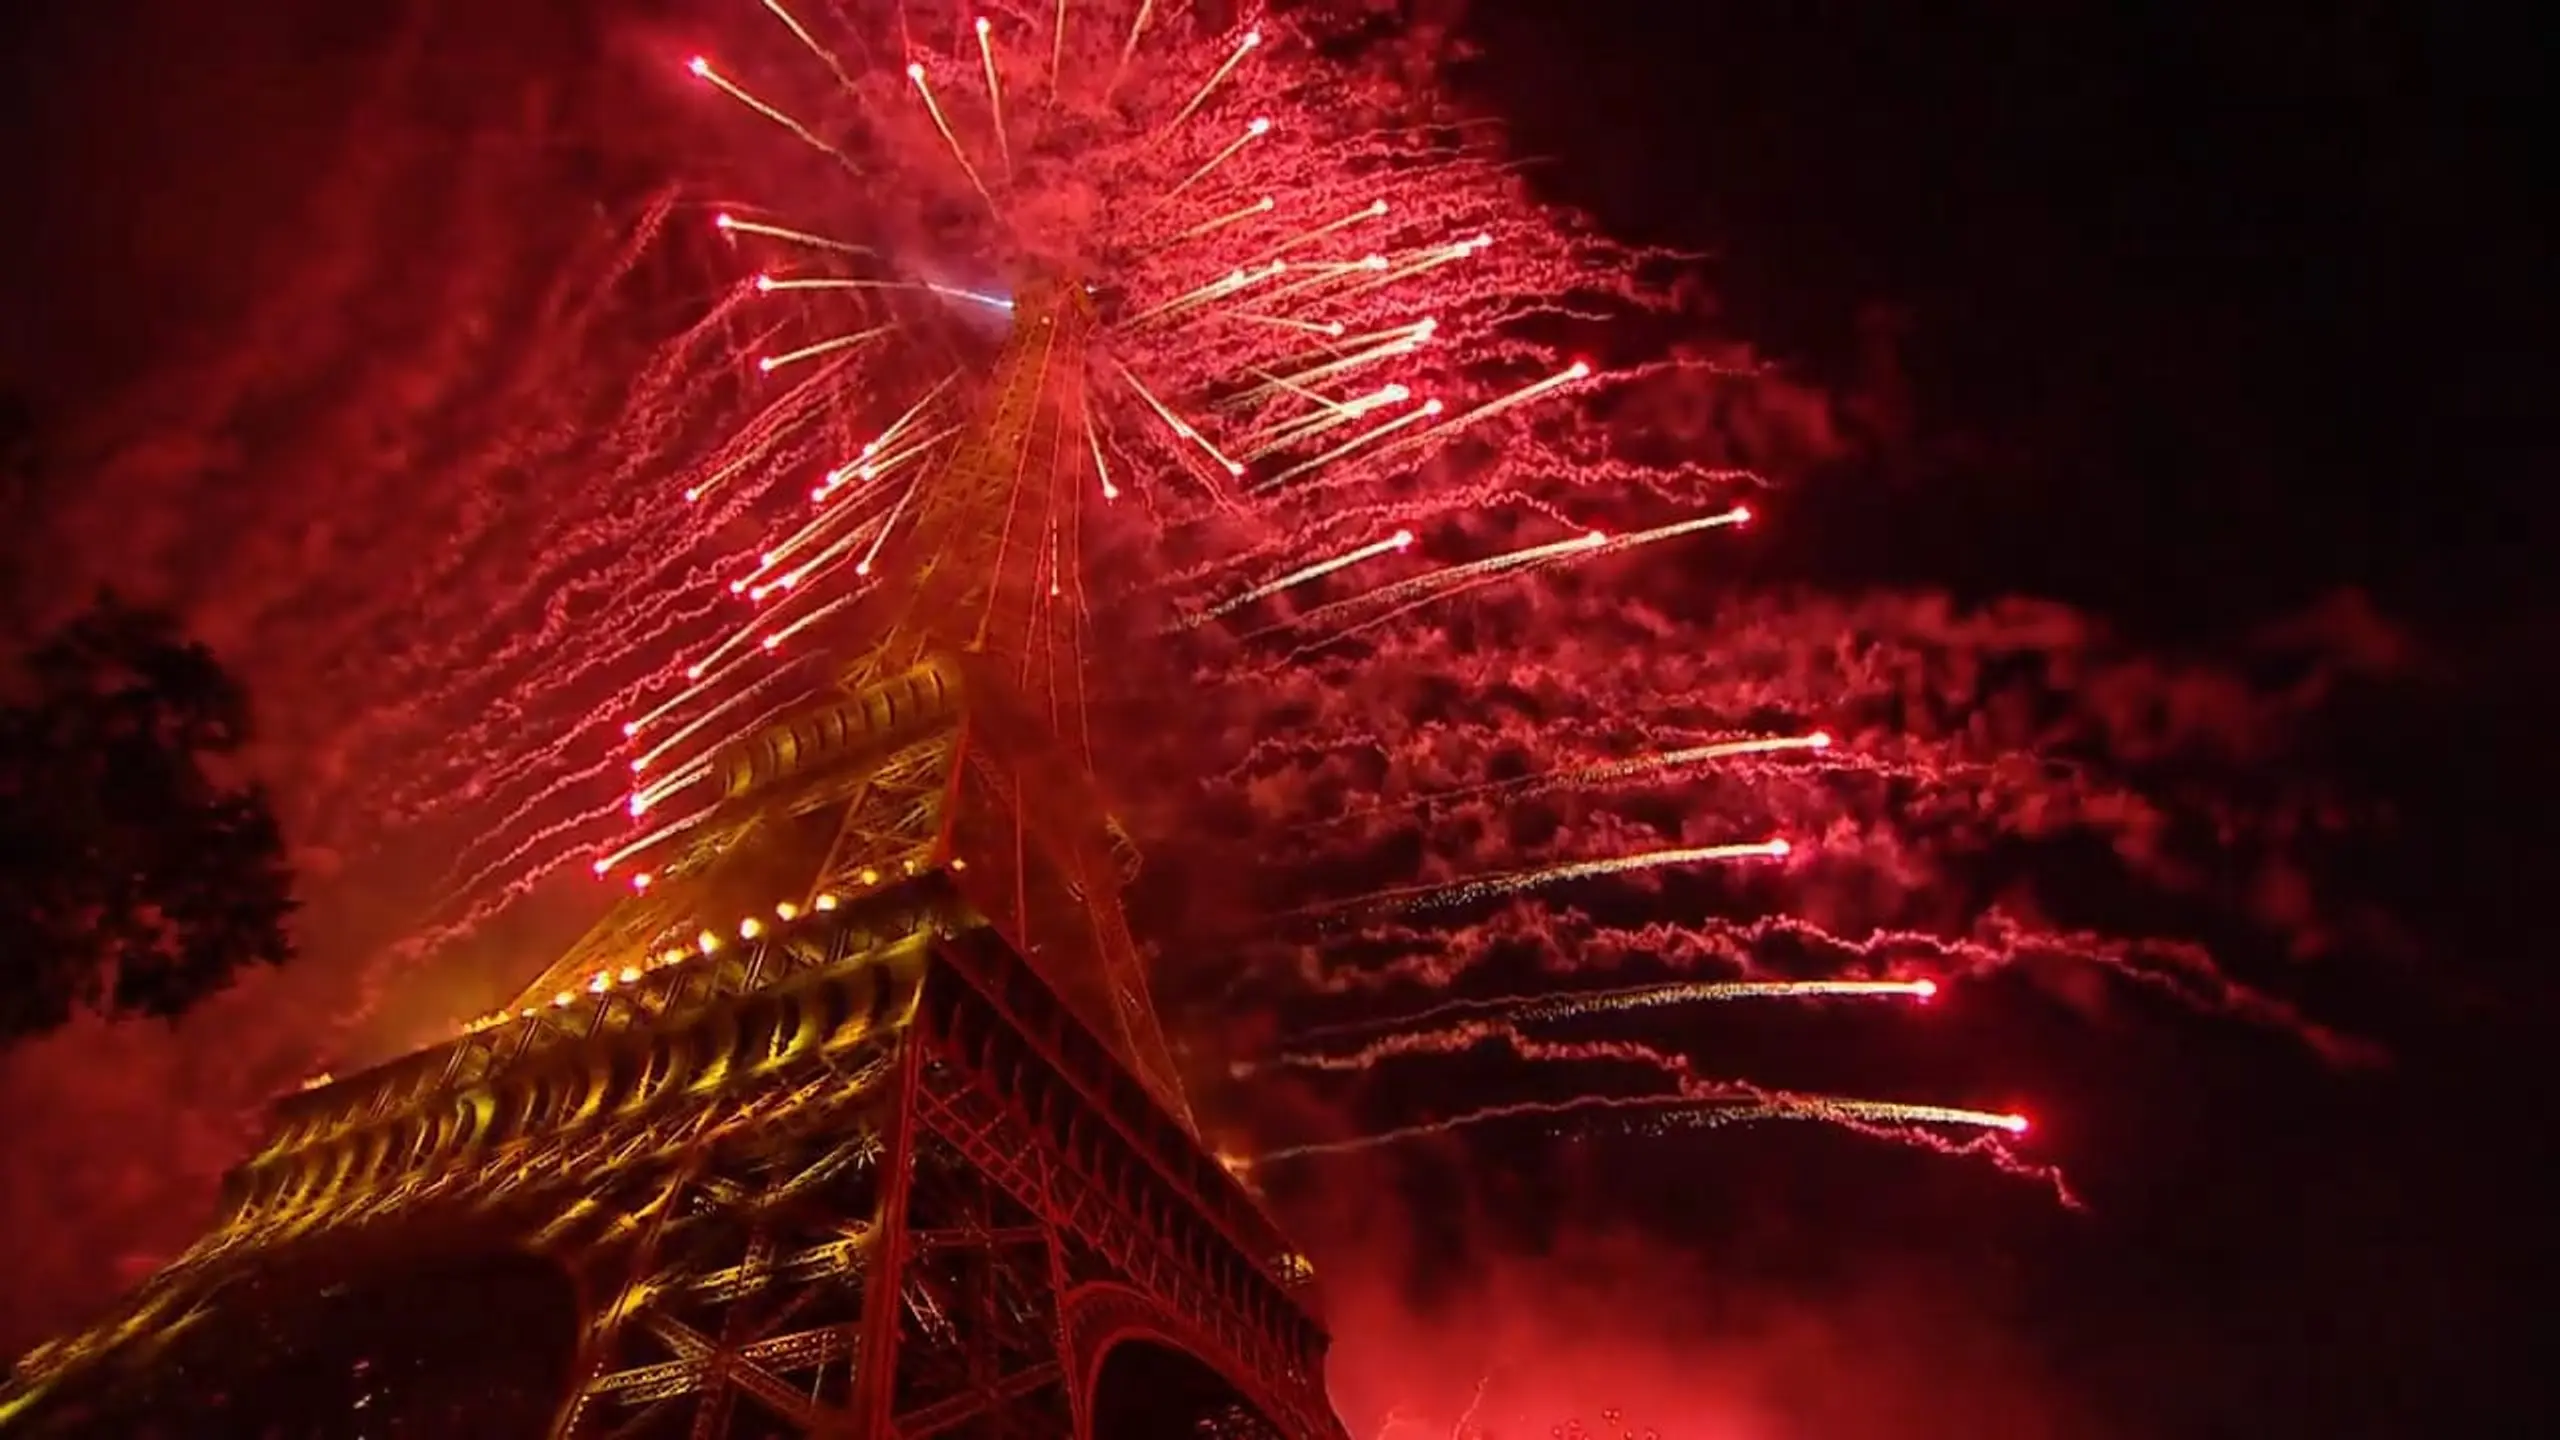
(2186, 315)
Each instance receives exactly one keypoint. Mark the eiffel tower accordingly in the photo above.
(857, 1121)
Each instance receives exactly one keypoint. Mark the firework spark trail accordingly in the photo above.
(1420, 1035)
(1593, 775)
(1551, 1005)
(1444, 894)
(1884, 1118)
(1301, 576)
(1457, 580)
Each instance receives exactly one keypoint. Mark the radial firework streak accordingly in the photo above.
(1443, 894)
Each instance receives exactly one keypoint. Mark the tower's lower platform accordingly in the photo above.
(865, 1177)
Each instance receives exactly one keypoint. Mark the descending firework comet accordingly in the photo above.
(1332, 386)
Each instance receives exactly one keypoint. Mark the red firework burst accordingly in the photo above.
(1332, 347)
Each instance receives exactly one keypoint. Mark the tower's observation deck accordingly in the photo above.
(855, 1121)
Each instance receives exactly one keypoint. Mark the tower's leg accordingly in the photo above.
(875, 1376)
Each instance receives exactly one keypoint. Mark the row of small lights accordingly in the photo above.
(707, 943)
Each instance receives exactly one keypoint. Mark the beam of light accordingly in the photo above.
(647, 797)
(915, 72)
(1329, 415)
(735, 226)
(1202, 294)
(1178, 425)
(1093, 439)
(810, 41)
(1442, 894)
(694, 492)
(1370, 211)
(732, 644)
(1677, 1108)
(1244, 47)
(703, 68)
(1409, 333)
(1553, 1006)
(1842, 1109)
(754, 584)
(774, 285)
(767, 284)
(1616, 544)
(1457, 575)
(1599, 774)
(879, 465)
(1393, 544)
(1330, 328)
(1327, 409)
(774, 640)
(1431, 259)
(1457, 580)
(887, 436)
(1646, 997)
(995, 94)
(886, 525)
(1258, 127)
(1322, 274)
(771, 363)
(701, 675)
(722, 740)
(1214, 223)
(1058, 52)
(605, 864)
(1407, 339)
(954, 292)
(1526, 394)
(694, 726)
(1419, 413)
(1137, 27)
(825, 562)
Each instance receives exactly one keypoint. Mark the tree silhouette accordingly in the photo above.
(136, 877)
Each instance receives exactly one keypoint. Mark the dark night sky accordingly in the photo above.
(2184, 316)
(2200, 313)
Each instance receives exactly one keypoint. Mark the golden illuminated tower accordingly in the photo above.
(856, 1121)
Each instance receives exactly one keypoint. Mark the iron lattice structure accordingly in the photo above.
(856, 1122)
